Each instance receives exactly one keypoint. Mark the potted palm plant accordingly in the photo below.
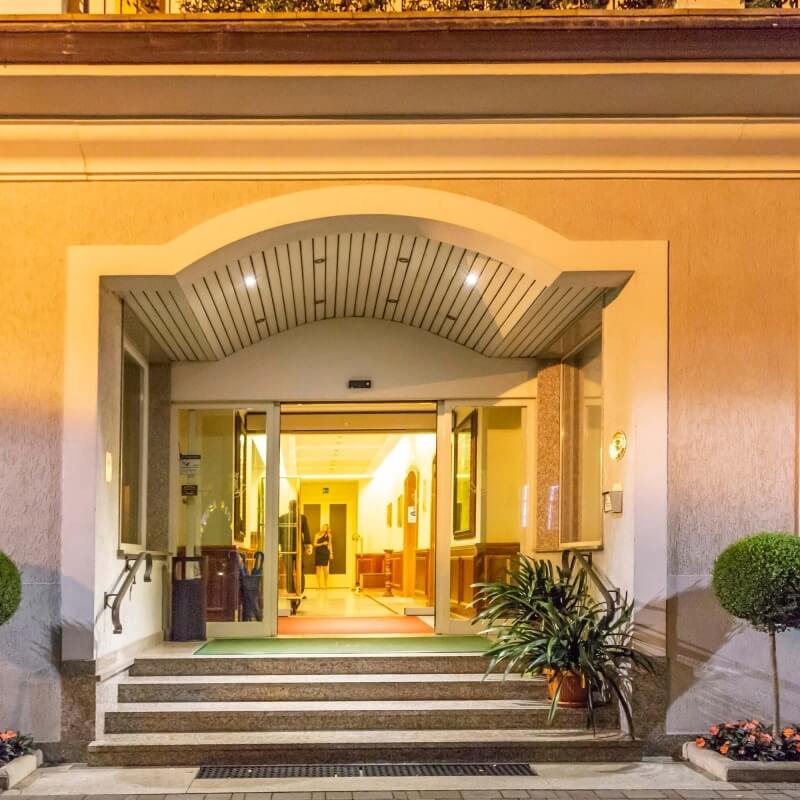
(545, 621)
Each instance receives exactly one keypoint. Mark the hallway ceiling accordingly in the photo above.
(465, 296)
(335, 455)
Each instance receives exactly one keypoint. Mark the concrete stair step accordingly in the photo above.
(245, 688)
(333, 664)
(349, 715)
(370, 746)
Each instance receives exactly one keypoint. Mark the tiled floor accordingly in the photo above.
(649, 780)
(347, 603)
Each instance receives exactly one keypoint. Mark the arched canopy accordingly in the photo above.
(474, 273)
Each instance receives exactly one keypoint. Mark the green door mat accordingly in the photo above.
(309, 646)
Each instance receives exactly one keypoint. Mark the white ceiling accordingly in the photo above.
(335, 455)
(471, 298)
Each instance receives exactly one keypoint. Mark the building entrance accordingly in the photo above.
(352, 519)
(356, 509)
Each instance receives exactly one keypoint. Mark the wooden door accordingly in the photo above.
(337, 514)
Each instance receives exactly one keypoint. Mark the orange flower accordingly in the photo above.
(6, 735)
(714, 730)
(724, 749)
(700, 741)
(787, 732)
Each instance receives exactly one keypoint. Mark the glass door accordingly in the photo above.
(485, 500)
(225, 514)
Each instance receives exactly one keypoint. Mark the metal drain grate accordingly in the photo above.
(363, 771)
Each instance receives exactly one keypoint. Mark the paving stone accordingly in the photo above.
(334, 795)
(291, 796)
(386, 795)
(582, 794)
(481, 794)
(644, 794)
(512, 793)
(258, 796)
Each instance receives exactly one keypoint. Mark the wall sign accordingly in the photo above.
(190, 464)
(359, 383)
(189, 490)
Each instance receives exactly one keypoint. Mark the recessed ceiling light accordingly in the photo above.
(249, 281)
(471, 279)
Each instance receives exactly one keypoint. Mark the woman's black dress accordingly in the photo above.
(322, 553)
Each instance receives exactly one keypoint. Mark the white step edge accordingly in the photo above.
(251, 739)
(338, 706)
(171, 680)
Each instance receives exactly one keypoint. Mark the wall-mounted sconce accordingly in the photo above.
(617, 446)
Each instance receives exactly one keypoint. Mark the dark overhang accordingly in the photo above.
(487, 37)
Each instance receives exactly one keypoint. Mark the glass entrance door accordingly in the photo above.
(485, 500)
(225, 513)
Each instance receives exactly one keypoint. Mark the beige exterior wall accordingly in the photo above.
(733, 275)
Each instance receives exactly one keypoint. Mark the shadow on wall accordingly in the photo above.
(719, 666)
(30, 658)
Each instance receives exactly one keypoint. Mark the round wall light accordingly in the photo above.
(618, 446)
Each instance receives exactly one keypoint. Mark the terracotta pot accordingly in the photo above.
(574, 691)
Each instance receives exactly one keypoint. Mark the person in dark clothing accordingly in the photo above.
(289, 526)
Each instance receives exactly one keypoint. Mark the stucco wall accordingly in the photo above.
(732, 393)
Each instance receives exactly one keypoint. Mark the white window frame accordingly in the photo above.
(128, 348)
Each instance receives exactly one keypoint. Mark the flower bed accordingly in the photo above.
(751, 740)
(18, 758)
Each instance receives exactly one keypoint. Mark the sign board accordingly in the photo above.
(326, 490)
(412, 514)
(189, 464)
(189, 490)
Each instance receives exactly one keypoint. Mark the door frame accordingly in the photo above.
(269, 622)
(444, 624)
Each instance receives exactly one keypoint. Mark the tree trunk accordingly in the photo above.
(776, 698)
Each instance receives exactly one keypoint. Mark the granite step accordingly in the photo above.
(407, 663)
(367, 746)
(247, 688)
(344, 715)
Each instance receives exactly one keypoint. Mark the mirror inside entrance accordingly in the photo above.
(220, 519)
(490, 496)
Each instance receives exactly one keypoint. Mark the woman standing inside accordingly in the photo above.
(323, 555)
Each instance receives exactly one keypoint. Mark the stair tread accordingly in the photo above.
(150, 680)
(357, 737)
(333, 705)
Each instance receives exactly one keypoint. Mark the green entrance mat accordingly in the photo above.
(309, 646)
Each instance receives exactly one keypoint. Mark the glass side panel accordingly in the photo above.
(498, 490)
(222, 510)
(132, 489)
(582, 447)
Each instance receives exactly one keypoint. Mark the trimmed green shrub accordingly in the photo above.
(757, 579)
(10, 588)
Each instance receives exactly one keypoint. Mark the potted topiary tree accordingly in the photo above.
(757, 579)
(18, 758)
(10, 588)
